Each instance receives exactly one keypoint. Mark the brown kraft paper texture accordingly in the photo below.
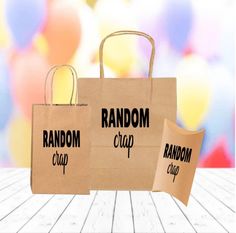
(60, 148)
(127, 121)
(177, 161)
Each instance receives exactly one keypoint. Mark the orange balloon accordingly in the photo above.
(62, 31)
(29, 70)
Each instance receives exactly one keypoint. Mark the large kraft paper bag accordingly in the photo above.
(127, 121)
(60, 147)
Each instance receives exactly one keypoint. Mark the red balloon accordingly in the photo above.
(28, 74)
(62, 31)
(218, 157)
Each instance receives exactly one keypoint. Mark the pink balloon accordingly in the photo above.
(28, 74)
(62, 31)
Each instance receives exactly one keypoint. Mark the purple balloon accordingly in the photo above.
(5, 96)
(177, 20)
(149, 20)
(25, 18)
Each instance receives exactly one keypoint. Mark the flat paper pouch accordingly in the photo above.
(177, 161)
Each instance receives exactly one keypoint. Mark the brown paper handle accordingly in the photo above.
(54, 69)
(127, 32)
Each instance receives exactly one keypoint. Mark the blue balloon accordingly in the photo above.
(220, 120)
(5, 159)
(5, 96)
(25, 18)
(177, 20)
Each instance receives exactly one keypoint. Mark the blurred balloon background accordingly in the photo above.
(194, 42)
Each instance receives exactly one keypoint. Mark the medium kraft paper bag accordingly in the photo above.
(60, 146)
(177, 161)
(127, 121)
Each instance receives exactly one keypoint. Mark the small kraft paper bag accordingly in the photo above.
(60, 145)
(177, 161)
(127, 122)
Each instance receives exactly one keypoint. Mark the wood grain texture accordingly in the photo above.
(101, 213)
(123, 220)
(211, 207)
(146, 218)
(171, 216)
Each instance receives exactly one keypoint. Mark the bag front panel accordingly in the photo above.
(60, 149)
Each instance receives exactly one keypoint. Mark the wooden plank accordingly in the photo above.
(229, 176)
(217, 180)
(201, 220)
(231, 169)
(123, 216)
(13, 189)
(227, 171)
(222, 176)
(73, 218)
(220, 194)
(221, 183)
(9, 169)
(22, 215)
(5, 171)
(10, 178)
(171, 215)
(45, 219)
(14, 202)
(223, 215)
(101, 213)
(146, 217)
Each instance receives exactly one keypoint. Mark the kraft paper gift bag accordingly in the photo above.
(127, 121)
(60, 146)
(177, 161)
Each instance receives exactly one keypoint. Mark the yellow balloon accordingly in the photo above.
(41, 44)
(91, 3)
(120, 53)
(193, 91)
(92, 71)
(20, 141)
(62, 87)
(4, 33)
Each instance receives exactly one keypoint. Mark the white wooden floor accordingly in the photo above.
(211, 207)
